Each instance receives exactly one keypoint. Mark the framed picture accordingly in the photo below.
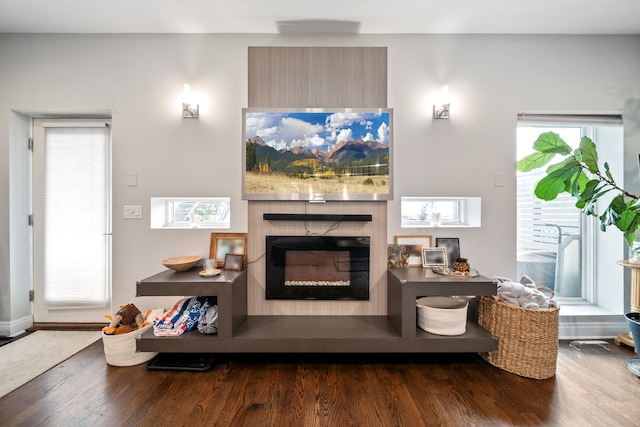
(453, 248)
(228, 243)
(414, 245)
(396, 256)
(434, 257)
(233, 262)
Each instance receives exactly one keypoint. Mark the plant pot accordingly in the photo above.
(633, 320)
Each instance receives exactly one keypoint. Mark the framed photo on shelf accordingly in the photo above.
(453, 247)
(228, 243)
(434, 257)
(396, 256)
(414, 245)
(233, 262)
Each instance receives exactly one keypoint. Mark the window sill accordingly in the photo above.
(188, 227)
(584, 310)
(587, 321)
(440, 226)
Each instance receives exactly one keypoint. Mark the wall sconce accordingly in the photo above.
(189, 108)
(442, 111)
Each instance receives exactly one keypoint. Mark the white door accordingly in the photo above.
(72, 220)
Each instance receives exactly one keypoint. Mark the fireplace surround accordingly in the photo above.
(317, 267)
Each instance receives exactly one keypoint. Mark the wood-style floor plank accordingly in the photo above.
(591, 388)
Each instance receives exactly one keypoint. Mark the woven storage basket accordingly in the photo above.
(527, 339)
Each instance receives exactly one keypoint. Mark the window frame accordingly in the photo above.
(591, 268)
(53, 306)
(466, 212)
(163, 211)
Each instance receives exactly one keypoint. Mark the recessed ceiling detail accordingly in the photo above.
(318, 26)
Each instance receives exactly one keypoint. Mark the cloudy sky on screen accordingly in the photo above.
(323, 130)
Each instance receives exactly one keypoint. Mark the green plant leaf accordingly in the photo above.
(578, 183)
(550, 142)
(615, 213)
(630, 234)
(560, 178)
(618, 204)
(628, 224)
(570, 171)
(549, 187)
(634, 205)
(589, 154)
(591, 189)
(608, 217)
(587, 199)
(608, 173)
(534, 161)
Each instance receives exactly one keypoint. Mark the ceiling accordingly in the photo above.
(327, 16)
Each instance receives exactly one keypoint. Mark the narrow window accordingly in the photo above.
(419, 212)
(190, 212)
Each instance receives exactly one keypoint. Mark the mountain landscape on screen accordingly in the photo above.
(299, 155)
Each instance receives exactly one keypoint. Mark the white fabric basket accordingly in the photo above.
(120, 350)
(442, 315)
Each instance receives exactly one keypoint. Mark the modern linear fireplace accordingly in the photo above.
(317, 267)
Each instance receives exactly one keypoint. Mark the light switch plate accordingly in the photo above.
(132, 212)
(132, 179)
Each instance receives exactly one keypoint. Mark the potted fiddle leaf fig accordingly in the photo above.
(579, 174)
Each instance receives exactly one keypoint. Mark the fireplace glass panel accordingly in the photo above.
(317, 267)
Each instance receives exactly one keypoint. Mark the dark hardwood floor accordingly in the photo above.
(590, 389)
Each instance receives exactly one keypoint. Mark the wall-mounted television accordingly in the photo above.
(317, 154)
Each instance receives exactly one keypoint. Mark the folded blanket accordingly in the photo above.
(523, 293)
(198, 307)
(183, 316)
(208, 323)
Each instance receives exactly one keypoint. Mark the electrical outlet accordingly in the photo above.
(132, 212)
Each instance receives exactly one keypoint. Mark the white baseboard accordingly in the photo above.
(15, 327)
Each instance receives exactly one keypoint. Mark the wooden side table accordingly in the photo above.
(625, 337)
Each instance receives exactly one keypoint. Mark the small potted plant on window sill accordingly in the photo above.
(579, 175)
(424, 212)
(207, 213)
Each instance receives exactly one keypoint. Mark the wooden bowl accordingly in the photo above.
(181, 263)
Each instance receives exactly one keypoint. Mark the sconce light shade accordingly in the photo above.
(190, 110)
(441, 111)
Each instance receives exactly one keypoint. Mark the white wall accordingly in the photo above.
(139, 78)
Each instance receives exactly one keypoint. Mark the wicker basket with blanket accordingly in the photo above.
(527, 338)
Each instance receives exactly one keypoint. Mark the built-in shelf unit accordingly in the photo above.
(396, 332)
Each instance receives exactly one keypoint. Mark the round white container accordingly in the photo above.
(442, 315)
(120, 350)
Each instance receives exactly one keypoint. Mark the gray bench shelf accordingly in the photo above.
(396, 332)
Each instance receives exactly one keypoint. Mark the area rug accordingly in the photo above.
(27, 357)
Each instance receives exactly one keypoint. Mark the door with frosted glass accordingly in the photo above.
(72, 221)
